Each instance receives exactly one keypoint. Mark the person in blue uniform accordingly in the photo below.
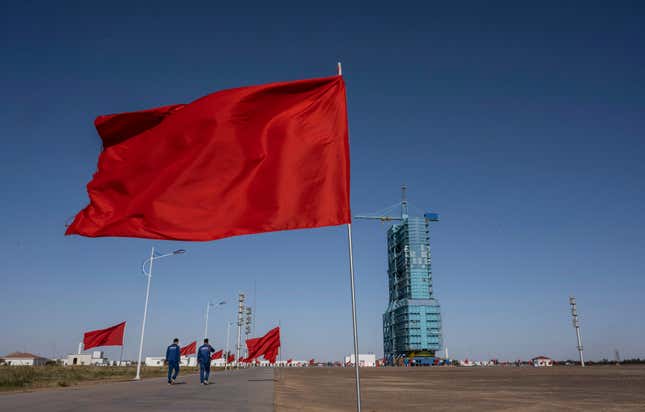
(204, 360)
(173, 354)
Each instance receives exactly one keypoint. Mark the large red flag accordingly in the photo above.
(189, 349)
(112, 336)
(266, 345)
(217, 354)
(239, 161)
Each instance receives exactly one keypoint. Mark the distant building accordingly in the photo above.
(160, 360)
(24, 359)
(96, 358)
(542, 361)
(364, 360)
(188, 361)
(154, 361)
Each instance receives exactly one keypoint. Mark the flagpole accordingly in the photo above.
(353, 291)
(208, 307)
(145, 314)
(351, 282)
(122, 345)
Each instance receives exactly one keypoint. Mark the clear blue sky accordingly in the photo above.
(522, 126)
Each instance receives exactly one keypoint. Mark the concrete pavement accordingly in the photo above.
(242, 390)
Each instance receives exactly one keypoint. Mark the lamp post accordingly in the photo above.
(148, 274)
(208, 307)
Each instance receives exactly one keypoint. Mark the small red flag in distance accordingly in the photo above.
(189, 349)
(217, 354)
(230, 358)
(112, 336)
(239, 161)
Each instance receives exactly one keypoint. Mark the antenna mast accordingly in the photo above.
(404, 203)
(576, 324)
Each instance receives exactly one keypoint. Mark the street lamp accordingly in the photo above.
(208, 307)
(148, 274)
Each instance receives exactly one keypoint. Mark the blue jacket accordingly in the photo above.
(173, 353)
(204, 353)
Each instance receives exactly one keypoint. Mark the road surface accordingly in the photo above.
(243, 390)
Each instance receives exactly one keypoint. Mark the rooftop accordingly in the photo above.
(22, 355)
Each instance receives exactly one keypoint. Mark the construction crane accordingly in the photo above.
(431, 217)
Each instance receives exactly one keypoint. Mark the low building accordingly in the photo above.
(154, 361)
(188, 361)
(364, 360)
(24, 359)
(542, 361)
(96, 358)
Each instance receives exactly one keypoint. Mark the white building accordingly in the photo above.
(188, 361)
(364, 360)
(542, 361)
(96, 358)
(24, 359)
(184, 361)
(154, 360)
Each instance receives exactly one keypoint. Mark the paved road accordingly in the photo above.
(243, 390)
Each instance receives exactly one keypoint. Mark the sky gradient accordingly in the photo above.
(523, 127)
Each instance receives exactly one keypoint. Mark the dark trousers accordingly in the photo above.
(204, 371)
(173, 366)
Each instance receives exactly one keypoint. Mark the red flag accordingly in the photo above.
(311, 361)
(189, 349)
(266, 345)
(112, 336)
(217, 354)
(235, 162)
(289, 361)
(230, 358)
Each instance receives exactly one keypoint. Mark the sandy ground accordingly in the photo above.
(598, 388)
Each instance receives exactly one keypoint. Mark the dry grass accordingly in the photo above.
(31, 377)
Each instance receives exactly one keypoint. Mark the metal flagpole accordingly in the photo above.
(351, 282)
(122, 345)
(145, 314)
(208, 306)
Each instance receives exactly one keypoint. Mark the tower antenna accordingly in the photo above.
(404, 203)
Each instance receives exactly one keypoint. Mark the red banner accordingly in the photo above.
(230, 358)
(266, 345)
(189, 349)
(112, 336)
(218, 354)
(239, 161)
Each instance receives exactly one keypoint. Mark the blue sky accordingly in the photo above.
(522, 126)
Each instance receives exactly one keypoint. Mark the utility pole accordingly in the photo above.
(576, 325)
(240, 317)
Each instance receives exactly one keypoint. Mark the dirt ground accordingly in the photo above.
(597, 388)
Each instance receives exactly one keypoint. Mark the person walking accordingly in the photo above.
(204, 360)
(173, 354)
